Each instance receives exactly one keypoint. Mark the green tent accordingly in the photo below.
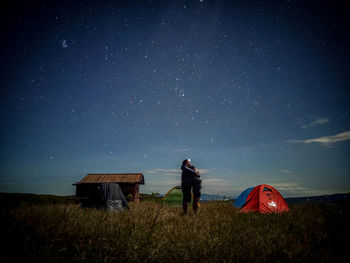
(174, 197)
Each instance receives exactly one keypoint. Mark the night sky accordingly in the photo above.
(252, 91)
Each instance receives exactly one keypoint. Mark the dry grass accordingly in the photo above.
(150, 232)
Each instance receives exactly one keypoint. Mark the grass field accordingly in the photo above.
(150, 232)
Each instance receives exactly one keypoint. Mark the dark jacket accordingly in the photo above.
(187, 175)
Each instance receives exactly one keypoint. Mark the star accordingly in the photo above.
(64, 43)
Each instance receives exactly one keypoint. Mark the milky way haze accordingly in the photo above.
(252, 91)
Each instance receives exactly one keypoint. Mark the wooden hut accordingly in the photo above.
(129, 184)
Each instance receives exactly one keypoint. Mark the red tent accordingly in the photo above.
(265, 199)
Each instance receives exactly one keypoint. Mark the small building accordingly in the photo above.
(129, 183)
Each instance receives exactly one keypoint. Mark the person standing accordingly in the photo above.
(190, 182)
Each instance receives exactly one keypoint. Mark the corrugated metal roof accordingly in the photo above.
(114, 178)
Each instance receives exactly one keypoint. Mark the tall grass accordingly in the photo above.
(150, 232)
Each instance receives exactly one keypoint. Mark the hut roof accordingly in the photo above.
(131, 178)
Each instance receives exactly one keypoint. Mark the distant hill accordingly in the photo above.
(19, 199)
(321, 198)
(208, 197)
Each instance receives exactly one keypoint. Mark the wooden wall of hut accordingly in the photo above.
(130, 190)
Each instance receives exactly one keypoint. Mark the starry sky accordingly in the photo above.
(252, 91)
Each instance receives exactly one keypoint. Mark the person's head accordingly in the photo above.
(186, 162)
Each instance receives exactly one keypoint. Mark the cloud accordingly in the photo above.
(326, 140)
(172, 172)
(296, 189)
(288, 186)
(204, 171)
(285, 171)
(317, 122)
(214, 181)
(215, 185)
(161, 180)
(290, 189)
(159, 185)
(164, 171)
